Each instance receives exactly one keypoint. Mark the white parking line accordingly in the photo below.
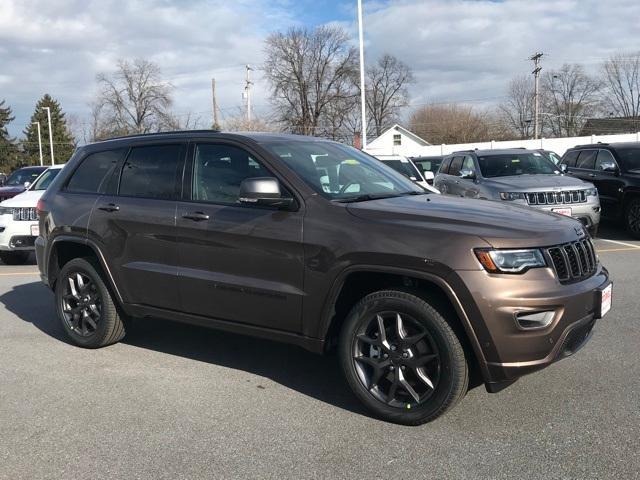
(620, 243)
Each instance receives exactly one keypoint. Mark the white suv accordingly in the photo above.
(19, 219)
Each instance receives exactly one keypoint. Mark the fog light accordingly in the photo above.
(531, 321)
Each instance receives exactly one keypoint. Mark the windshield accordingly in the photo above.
(507, 165)
(630, 158)
(405, 168)
(19, 177)
(338, 172)
(45, 179)
(428, 164)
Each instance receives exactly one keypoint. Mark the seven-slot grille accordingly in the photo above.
(25, 214)
(556, 198)
(574, 261)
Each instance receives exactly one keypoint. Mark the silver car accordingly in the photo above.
(519, 176)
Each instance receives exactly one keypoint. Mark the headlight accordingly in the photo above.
(512, 196)
(510, 261)
(592, 192)
(6, 211)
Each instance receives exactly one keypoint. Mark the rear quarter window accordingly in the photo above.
(94, 172)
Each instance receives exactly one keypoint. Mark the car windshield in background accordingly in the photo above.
(630, 158)
(508, 165)
(428, 165)
(45, 179)
(405, 168)
(19, 177)
(338, 172)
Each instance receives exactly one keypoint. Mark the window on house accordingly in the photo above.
(397, 139)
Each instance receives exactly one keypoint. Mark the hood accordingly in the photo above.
(519, 183)
(502, 226)
(25, 199)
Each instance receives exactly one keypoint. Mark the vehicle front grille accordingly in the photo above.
(25, 214)
(573, 261)
(556, 198)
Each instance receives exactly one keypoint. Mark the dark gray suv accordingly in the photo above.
(317, 244)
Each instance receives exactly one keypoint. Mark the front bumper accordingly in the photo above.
(16, 235)
(588, 212)
(511, 351)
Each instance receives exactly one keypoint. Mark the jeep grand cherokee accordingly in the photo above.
(317, 244)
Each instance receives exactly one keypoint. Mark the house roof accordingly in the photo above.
(610, 125)
(400, 129)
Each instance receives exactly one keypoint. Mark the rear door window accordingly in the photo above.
(587, 159)
(444, 168)
(152, 172)
(569, 159)
(94, 172)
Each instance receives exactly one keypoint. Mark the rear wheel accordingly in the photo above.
(402, 359)
(86, 307)
(14, 258)
(632, 217)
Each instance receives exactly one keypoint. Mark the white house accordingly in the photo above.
(397, 140)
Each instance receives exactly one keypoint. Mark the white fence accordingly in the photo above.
(558, 145)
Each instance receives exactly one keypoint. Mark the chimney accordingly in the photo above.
(357, 141)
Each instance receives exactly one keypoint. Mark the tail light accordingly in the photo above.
(39, 207)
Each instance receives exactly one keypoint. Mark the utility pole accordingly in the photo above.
(536, 96)
(39, 143)
(363, 104)
(50, 132)
(216, 124)
(247, 93)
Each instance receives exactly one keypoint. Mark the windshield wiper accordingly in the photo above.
(365, 197)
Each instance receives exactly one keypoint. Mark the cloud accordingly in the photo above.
(459, 50)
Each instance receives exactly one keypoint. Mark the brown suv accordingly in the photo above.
(317, 244)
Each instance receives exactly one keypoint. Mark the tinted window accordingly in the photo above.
(456, 164)
(428, 164)
(510, 164)
(444, 168)
(587, 159)
(604, 156)
(219, 170)
(45, 179)
(569, 158)
(630, 158)
(151, 172)
(94, 172)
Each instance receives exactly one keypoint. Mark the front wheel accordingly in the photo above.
(85, 306)
(632, 217)
(402, 359)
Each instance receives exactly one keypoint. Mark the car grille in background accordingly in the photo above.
(574, 261)
(556, 198)
(25, 214)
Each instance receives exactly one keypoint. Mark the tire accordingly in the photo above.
(447, 371)
(19, 257)
(632, 217)
(87, 311)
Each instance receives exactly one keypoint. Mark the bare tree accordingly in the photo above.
(386, 91)
(569, 97)
(517, 111)
(308, 71)
(621, 78)
(134, 99)
(238, 123)
(450, 123)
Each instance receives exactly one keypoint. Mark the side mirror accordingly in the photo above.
(264, 191)
(468, 174)
(610, 167)
(428, 175)
(563, 167)
(26, 184)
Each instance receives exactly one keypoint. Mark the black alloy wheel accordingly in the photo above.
(633, 217)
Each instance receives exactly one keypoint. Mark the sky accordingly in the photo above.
(460, 51)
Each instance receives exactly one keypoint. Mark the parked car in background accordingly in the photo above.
(19, 180)
(19, 219)
(428, 166)
(416, 292)
(405, 167)
(520, 177)
(614, 168)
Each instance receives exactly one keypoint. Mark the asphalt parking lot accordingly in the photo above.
(175, 401)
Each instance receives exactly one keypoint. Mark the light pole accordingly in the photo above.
(39, 142)
(363, 104)
(50, 132)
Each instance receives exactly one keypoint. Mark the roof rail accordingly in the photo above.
(591, 144)
(154, 134)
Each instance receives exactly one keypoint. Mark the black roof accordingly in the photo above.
(494, 151)
(611, 145)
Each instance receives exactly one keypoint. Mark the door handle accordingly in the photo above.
(196, 216)
(109, 207)
(592, 175)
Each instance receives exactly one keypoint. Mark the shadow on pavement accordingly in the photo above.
(313, 375)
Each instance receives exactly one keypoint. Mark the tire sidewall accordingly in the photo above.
(441, 333)
(634, 203)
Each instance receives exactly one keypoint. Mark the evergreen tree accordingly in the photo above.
(8, 150)
(63, 141)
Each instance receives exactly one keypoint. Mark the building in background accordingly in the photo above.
(610, 126)
(397, 140)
